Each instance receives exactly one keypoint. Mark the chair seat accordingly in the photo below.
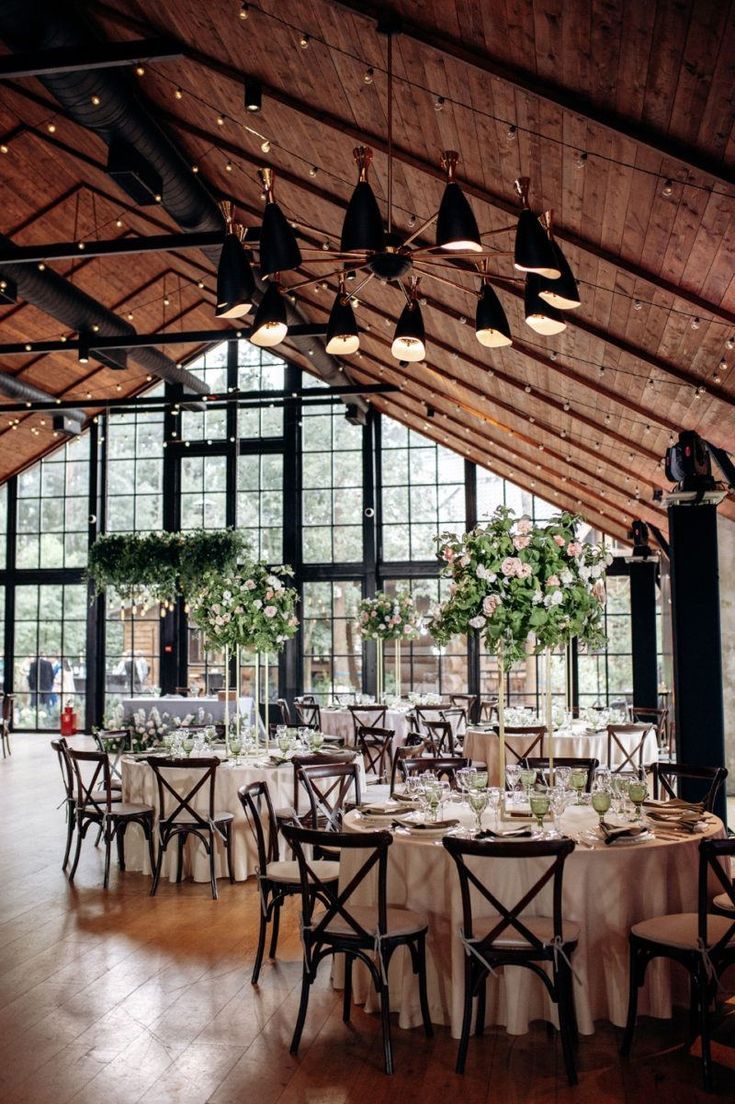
(722, 901)
(542, 927)
(681, 930)
(184, 819)
(285, 871)
(120, 809)
(400, 922)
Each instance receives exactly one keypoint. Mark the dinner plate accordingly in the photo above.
(631, 841)
(429, 831)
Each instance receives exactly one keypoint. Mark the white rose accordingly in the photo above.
(566, 576)
(537, 597)
(477, 622)
(270, 611)
(249, 584)
(556, 598)
(257, 603)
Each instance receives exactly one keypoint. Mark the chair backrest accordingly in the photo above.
(376, 745)
(631, 751)
(667, 776)
(487, 709)
(368, 716)
(112, 742)
(317, 758)
(444, 767)
(439, 737)
(308, 714)
(469, 702)
(534, 744)
(456, 716)
(424, 713)
(335, 902)
(61, 748)
(541, 765)
(328, 786)
(256, 803)
(712, 852)
(508, 914)
(414, 750)
(181, 800)
(284, 711)
(93, 779)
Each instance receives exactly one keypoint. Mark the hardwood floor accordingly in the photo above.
(116, 997)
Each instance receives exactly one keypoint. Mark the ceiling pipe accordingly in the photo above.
(57, 297)
(14, 388)
(108, 103)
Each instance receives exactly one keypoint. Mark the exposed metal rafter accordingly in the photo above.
(103, 55)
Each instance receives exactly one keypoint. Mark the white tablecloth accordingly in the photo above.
(139, 785)
(338, 722)
(606, 890)
(180, 707)
(482, 746)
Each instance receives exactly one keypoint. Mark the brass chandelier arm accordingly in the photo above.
(442, 279)
(502, 230)
(355, 291)
(314, 280)
(420, 229)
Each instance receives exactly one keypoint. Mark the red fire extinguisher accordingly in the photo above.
(68, 722)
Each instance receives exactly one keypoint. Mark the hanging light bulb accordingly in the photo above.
(409, 339)
(363, 226)
(342, 335)
(83, 351)
(235, 280)
(253, 96)
(533, 252)
(270, 326)
(540, 315)
(491, 325)
(279, 250)
(562, 293)
(456, 226)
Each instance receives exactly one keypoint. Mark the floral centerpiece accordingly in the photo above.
(249, 608)
(389, 617)
(516, 583)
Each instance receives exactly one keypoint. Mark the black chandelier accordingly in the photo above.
(370, 249)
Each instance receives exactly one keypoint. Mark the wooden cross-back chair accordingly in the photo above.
(444, 767)
(329, 787)
(469, 702)
(96, 803)
(6, 723)
(317, 758)
(659, 718)
(487, 710)
(61, 748)
(417, 748)
(283, 711)
(363, 932)
(277, 878)
(706, 781)
(536, 734)
(308, 714)
(702, 941)
(541, 766)
(631, 755)
(425, 714)
(376, 747)
(113, 742)
(367, 716)
(183, 819)
(512, 937)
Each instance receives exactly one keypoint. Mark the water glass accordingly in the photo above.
(527, 778)
(578, 782)
(637, 792)
(601, 800)
(539, 801)
(316, 739)
(493, 802)
(236, 748)
(478, 800)
(513, 773)
(558, 803)
(479, 780)
(187, 745)
(563, 774)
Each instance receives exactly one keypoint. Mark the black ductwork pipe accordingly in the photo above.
(120, 115)
(14, 388)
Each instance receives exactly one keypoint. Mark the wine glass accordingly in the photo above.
(479, 779)
(236, 748)
(578, 782)
(601, 800)
(539, 801)
(557, 804)
(283, 739)
(563, 774)
(527, 778)
(478, 800)
(493, 802)
(187, 745)
(513, 773)
(316, 739)
(637, 792)
(602, 776)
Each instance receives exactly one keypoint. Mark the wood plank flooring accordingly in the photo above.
(118, 998)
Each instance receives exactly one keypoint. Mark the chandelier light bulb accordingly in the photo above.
(533, 251)
(409, 339)
(343, 338)
(270, 325)
(540, 315)
(491, 325)
(456, 226)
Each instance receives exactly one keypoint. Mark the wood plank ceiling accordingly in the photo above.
(621, 114)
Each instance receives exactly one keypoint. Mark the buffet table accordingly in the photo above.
(606, 890)
(481, 745)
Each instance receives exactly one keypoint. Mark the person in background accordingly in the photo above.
(40, 680)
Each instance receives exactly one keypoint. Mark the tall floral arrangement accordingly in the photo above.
(518, 583)
(249, 608)
(389, 617)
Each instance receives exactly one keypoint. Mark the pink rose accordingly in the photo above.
(489, 604)
(598, 589)
(521, 541)
(510, 566)
(524, 571)
(524, 525)
(553, 580)
(574, 548)
(448, 554)
(559, 540)
(270, 611)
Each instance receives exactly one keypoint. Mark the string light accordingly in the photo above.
(369, 74)
(730, 343)
(195, 168)
(4, 148)
(96, 101)
(228, 166)
(179, 94)
(581, 159)
(51, 128)
(139, 71)
(304, 42)
(313, 170)
(244, 11)
(439, 103)
(696, 323)
(265, 146)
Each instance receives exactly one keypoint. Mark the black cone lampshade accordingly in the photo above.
(491, 325)
(533, 247)
(456, 226)
(562, 293)
(270, 325)
(363, 225)
(235, 280)
(279, 250)
(409, 340)
(540, 315)
(342, 335)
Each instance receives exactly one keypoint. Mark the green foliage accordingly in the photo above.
(249, 608)
(156, 567)
(516, 582)
(388, 617)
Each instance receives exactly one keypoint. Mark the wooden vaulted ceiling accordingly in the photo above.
(622, 116)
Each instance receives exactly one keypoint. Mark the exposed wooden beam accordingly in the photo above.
(98, 55)
(566, 99)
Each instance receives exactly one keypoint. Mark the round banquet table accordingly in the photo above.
(139, 785)
(607, 889)
(481, 745)
(338, 722)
